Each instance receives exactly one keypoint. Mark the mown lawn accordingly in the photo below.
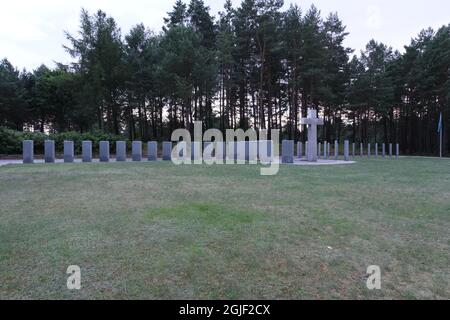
(159, 231)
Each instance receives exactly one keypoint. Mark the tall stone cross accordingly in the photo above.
(312, 122)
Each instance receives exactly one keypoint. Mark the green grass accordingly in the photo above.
(159, 231)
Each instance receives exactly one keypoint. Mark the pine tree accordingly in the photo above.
(13, 107)
(100, 52)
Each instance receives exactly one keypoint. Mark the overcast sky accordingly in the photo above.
(31, 31)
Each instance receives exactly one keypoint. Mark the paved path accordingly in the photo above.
(321, 162)
(41, 161)
(297, 162)
(5, 162)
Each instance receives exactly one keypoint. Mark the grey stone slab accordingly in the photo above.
(220, 152)
(214, 150)
(28, 151)
(383, 150)
(306, 149)
(346, 150)
(328, 150)
(152, 151)
(121, 151)
(299, 150)
(390, 150)
(104, 151)
(376, 150)
(69, 152)
(361, 150)
(196, 151)
(287, 151)
(49, 151)
(253, 151)
(247, 150)
(229, 154)
(336, 150)
(182, 151)
(86, 151)
(397, 150)
(136, 151)
(208, 150)
(232, 151)
(271, 150)
(265, 148)
(241, 151)
(167, 150)
(369, 150)
(325, 148)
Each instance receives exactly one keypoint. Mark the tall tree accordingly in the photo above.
(292, 37)
(13, 107)
(99, 49)
(336, 76)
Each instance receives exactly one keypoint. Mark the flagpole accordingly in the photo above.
(440, 135)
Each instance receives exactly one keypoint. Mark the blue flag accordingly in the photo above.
(440, 123)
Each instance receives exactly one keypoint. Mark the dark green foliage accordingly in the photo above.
(12, 96)
(11, 140)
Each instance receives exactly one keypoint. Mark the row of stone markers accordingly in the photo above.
(324, 150)
(310, 153)
(376, 150)
(86, 151)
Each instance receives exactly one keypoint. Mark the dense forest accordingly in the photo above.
(257, 65)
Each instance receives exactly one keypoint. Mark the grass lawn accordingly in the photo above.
(159, 231)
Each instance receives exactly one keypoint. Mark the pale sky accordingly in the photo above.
(31, 31)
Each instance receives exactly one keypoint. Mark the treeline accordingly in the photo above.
(256, 65)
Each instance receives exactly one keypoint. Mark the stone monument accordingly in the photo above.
(312, 122)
